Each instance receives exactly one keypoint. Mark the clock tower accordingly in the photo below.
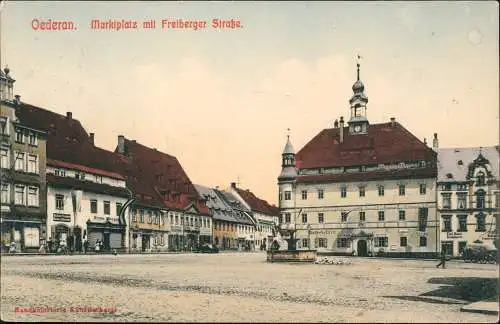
(358, 124)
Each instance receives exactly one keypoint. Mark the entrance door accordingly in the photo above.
(447, 246)
(362, 248)
(105, 241)
(145, 242)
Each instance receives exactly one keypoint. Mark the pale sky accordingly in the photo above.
(221, 100)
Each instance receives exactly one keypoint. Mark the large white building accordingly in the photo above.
(468, 196)
(361, 188)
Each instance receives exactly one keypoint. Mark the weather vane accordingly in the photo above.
(288, 132)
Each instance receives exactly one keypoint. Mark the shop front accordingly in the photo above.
(110, 234)
(26, 234)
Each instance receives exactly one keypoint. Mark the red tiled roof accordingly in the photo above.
(67, 140)
(164, 174)
(384, 143)
(370, 176)
(84, 168)
(257, 204)
(67, 182)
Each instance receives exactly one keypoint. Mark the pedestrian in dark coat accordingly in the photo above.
(443, 259)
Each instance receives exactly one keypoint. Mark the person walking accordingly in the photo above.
(443, 259)
(85, 246)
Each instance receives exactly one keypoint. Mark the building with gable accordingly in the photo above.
(85, 193)
(179, 216)
(22, 170)
(266, 216)
(361, 188)
(245, 221)
(468, 196)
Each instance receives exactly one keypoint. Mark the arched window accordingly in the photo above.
(480, 179)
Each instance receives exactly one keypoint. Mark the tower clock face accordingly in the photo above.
(357, 128)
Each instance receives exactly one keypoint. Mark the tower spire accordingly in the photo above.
(358, 124)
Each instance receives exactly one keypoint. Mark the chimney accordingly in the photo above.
(425, 141)
(69, 115)
(91, 138)
(341, 130)
(121, 144)
(17, 99)
(393, 121)
(233, 185)
(435, 141)
(336, 123)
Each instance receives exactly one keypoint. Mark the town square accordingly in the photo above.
(242, 287)
(249, 162)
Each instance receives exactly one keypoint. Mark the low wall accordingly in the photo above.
(291, 256)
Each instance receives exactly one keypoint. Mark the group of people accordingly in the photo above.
(67, 245)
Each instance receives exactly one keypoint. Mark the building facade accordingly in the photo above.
(179, 220)
(244, 221)
(265, 216)
(86, 196)
(84, 204)
(468, 197)
(361, 189)
(23, 183)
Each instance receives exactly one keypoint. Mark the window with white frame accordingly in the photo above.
(33, 196)
(423, 188)
(380, 190)
(304, 194)
(33, 140)
(362, 216)
(5, 199)
(321, 193)
(362, 191)
(321, 218)
(288, 195)
(402, 189)
(19, 165)
(381, 241)
(304, 218)
(288, 217)
(343, 192)
(343, 243)
(19, 136)
(461, 200)
(4, 125)
(20, 195)
(107, 208)
(32, 163)
(322, 242)
(60, 202)
(4, 158)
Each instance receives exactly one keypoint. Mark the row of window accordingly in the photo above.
(361, 191)
(423, 212)
(480, 182)
(25, 136)
(23, 195)
(462, 200)
(61, 200)
(245, 228)
(156, 218)
(23, 162)
(462, 223)
(343, 242)
(22, 135)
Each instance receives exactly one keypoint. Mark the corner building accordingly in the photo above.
(361, 189)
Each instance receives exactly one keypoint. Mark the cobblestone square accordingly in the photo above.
(240, 287)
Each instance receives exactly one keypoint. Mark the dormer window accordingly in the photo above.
(460, 162)
(480, 181)
(449, 176)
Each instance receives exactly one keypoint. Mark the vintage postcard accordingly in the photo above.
(237, 161)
